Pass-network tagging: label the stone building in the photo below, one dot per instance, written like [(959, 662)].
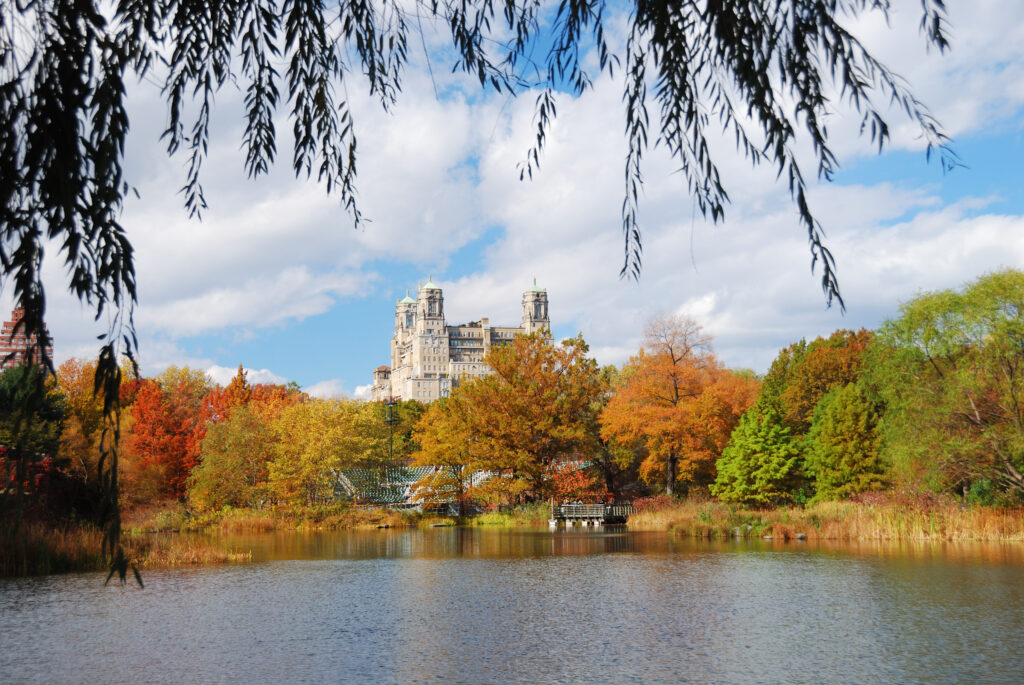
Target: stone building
[(14, 347), (429, 357)]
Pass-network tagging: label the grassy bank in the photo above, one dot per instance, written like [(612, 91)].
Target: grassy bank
[(37, 549), (886, 520), (158, 536), (534, 514), (174, 517)]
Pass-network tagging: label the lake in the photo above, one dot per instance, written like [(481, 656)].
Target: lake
[(487, 606)]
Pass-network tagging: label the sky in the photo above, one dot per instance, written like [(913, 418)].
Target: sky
[(275, 277)]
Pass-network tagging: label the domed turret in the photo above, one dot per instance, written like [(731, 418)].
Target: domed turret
[(535, 310)]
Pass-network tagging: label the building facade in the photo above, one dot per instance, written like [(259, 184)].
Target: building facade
[(429, 357), (14, 346)]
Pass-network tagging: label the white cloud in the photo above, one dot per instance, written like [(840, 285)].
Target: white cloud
[(435, 174), (222, 375), (329, 389)]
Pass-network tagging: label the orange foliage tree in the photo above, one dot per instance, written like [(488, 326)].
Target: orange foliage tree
[(804, 372), (83, 418), (163, 432), (523, 419), (266, 402), (676, 405)]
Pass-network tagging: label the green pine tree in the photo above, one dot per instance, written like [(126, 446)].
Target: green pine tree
[(759, 464), (841, 451)]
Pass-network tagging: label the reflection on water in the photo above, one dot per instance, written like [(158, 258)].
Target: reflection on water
[(471, 605)]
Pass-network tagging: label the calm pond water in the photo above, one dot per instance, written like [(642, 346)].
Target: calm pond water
[(486, 606)]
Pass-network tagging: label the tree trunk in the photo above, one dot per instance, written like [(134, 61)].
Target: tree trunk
[(670, 483)]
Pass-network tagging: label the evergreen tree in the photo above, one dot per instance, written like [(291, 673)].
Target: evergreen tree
[(759, 464), (841, 450)]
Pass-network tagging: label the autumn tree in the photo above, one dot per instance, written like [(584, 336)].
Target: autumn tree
[(315, 440), (949, 372), (841, 452), (764, 72), (233, 468), (215, 407), (803, 372), (83, 421), (614, 463), (165, 414), (398, 436), (270, 400), (529, 413), (442, 437), (676, 404), (759, 464)]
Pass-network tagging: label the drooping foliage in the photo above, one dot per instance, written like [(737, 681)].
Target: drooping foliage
[(760, 463)]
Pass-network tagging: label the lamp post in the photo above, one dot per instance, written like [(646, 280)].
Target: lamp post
[(390, 419)]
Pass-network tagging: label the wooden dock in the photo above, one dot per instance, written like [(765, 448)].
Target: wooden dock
[(589, 514)]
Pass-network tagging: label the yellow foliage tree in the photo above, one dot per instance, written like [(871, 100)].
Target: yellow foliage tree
[(443, 444), (315, 440)]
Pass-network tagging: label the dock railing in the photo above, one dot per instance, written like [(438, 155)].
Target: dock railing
[(591, 512)]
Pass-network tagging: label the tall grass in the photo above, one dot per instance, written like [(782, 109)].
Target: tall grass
[(36, 549), (523, 515), (168, 551), (231, 521), (836, 521)]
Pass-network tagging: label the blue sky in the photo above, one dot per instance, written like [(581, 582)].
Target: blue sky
[(276, 278)]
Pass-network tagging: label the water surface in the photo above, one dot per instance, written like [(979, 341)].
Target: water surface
[(472, 606)]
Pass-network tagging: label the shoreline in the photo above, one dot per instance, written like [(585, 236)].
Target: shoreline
[(160, 538)]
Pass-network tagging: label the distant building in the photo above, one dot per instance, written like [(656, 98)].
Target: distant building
[(429, 357), (14, 347)]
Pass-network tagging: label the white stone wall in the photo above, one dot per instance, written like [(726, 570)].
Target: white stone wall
[(429, 357)]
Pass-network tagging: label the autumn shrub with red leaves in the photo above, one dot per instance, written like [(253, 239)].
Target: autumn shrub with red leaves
[(655, 503)]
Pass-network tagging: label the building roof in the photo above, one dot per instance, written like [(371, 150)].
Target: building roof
[(430, 285), (407, 299), (384, 367), (390, 485), (535, 289)]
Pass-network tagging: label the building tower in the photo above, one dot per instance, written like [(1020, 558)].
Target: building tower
[(535, 310), (405, 315), (430, 309), (14, 348)]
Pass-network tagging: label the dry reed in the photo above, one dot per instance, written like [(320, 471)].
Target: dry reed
[(36, 549), (837, 521), (169, 551)]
